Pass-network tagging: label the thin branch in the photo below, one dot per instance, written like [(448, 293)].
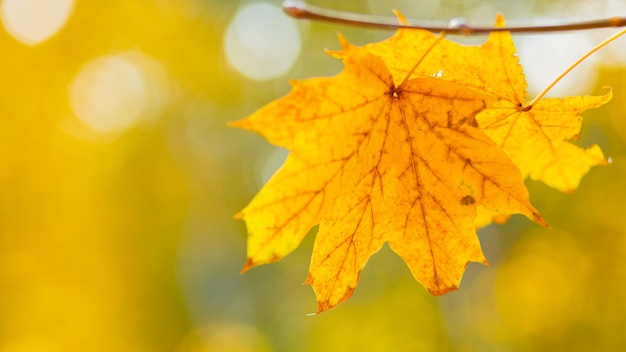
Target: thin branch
[(301, 10)]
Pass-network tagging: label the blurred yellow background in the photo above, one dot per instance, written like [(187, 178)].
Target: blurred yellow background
[(119, 179)]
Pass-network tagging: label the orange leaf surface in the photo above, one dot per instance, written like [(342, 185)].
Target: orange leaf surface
[(379, 158)]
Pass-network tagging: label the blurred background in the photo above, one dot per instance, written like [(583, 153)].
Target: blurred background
[(119, 179)]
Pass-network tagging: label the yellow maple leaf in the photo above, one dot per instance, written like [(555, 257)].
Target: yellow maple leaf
[(379, 157), (536, 138)]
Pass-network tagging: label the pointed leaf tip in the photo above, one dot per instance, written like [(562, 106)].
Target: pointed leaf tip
[(345, 45), (442, 291), (539, 220), (249, 265), (309, 280), (322, 307), (325, 305), (400, 17), (242, 123), (500, 23)]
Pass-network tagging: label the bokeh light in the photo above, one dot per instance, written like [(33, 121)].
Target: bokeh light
[(261, 42), (34, 21), (112, 93), (108, 94)]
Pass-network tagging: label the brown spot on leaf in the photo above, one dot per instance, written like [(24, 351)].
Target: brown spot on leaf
[(468, 200)]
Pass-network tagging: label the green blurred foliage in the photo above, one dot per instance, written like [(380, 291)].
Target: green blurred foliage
[(126, 242)]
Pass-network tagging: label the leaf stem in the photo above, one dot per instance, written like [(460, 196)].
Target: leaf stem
[(571, 67)]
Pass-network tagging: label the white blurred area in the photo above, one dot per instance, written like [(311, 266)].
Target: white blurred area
[(114, 92), (261, 42), (545, 56), (34, 21)]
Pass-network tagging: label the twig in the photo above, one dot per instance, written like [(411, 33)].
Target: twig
[(300, 9)]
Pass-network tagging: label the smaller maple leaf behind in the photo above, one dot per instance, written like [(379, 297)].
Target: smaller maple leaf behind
[(538, 140), (373, 163)]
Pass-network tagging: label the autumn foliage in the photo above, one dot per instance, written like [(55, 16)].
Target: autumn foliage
[(407, 145)]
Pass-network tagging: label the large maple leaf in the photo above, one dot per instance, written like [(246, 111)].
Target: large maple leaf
[(377, 156), (536, 138)]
